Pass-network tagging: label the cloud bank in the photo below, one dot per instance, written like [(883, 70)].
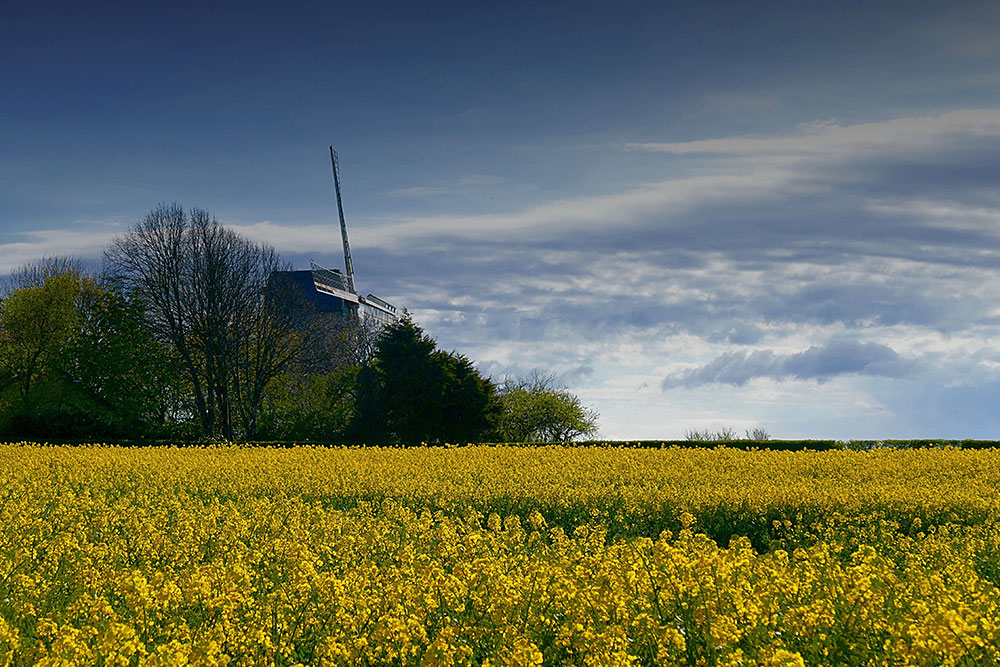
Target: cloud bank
[(819, 362), (830, 260)]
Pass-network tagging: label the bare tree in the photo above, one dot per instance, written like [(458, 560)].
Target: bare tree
[(34, 274), (333, 342), (204, 288), (273, 339), (724, 434), (720, 435)]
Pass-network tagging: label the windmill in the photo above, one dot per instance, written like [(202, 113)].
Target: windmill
[(341, 285)]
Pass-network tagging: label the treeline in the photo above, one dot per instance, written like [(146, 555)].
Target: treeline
[(189, 334), (748, 444)]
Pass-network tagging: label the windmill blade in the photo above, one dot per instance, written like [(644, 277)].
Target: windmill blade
[(348, 265)]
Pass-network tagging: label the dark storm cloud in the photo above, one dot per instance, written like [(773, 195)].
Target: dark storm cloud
[(816, 363)]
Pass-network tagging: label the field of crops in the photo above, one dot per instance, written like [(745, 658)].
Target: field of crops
[(498, 556)]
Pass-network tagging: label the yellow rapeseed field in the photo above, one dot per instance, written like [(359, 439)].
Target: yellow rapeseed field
[(498, 556)]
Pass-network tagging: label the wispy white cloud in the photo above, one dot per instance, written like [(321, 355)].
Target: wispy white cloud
[(463, 185), (766, 183), (85, 240), (423, 191), (827, 137), (318, 239), (955, 215), (664, 201)]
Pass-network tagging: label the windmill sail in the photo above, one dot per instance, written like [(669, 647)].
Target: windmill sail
[(348, 264), (336, 284)]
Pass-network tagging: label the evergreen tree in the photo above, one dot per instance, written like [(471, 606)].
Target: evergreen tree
[(413, 393)]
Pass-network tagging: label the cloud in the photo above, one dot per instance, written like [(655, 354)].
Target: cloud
[(311, 239), (956, 215), (85, 240), (738, 251), (886, 232), (816, 363), (827, 138), (422, 191), (464, 185), (622, 214), (574, 375), (914, 189)]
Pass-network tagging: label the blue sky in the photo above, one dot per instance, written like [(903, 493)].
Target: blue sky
[(774, 214)]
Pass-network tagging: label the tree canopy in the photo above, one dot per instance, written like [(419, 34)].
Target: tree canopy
[(537, 409), (77, 361)]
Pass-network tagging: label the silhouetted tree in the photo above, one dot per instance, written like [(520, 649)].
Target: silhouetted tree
[(313, 399), (205, 292), (413, 393)]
